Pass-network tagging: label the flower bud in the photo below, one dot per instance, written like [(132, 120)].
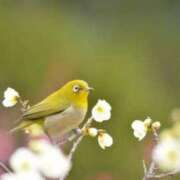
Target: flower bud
[(156, 125), (147, 122), (92, 132)]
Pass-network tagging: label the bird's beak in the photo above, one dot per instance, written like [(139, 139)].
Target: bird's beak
[(90, 89)]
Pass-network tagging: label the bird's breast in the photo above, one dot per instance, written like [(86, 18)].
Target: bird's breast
[(65, 121)]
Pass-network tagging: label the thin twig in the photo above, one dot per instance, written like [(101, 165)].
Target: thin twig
[(144, 166), (77, 142), (151, 171), (155, 136), (65, 140), (158, 176), (25, 104), (75, 145), (4, 167)]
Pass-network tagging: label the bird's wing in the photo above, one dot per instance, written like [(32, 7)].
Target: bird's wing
[(49, 106)]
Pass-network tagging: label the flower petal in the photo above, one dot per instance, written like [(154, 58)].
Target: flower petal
[(139, 128), (167, 155), (23, 160), (105, 140), (52, 161), (136, 124), (9, 102), (10, 92), (101, 111), (10, 97)]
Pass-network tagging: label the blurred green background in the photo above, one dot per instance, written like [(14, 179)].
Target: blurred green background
[(129, 51)]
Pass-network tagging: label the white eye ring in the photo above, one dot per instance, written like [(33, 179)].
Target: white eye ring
[(76, 88)]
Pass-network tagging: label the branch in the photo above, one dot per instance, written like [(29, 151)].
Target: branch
[(4, 167), (144, 166), (25, 104), (151, 172), (148, 174), (155, 136), (158, 176), (80, 138)]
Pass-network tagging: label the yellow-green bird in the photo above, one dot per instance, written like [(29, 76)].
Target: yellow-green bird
[(60, 112)]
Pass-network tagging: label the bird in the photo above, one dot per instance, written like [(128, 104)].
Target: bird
[(60, 112)]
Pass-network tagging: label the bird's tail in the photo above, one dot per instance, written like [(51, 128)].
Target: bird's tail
[(20, 126)]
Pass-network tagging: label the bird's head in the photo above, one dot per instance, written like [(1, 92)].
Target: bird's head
[(77, 91)]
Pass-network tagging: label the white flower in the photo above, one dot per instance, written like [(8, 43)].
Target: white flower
[(92, 132), (22, 176), (105, 140), (167, 155), (141, 127), (10, 97), (24, 160), (101, 111), (8, 176), (52, 162), (31, 175)]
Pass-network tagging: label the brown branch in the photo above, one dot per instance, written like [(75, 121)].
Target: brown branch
[(158, 176), (4, 167), (152, 168), (155, 136), (144, 166), (80, 138), (24, 103)]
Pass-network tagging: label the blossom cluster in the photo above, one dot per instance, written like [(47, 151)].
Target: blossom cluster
[(166, 153), (141, 128), (42, 160), (38, 161), (101, 112)]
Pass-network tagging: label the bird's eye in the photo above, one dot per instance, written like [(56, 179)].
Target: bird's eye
[(76, 88)]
